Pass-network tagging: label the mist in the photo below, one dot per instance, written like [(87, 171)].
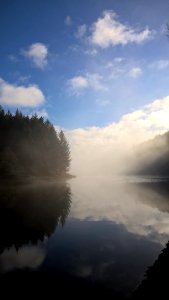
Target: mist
[(113, 149)]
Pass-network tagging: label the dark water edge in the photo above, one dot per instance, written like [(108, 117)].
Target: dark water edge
[(40, 217), (35, 179)]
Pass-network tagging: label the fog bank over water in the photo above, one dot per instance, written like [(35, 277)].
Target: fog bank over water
[(107, 149)]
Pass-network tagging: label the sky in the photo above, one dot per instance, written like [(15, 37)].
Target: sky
[(97, 68)]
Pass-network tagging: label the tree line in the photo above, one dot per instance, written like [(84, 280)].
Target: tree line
[(152, 157), (31, 146)]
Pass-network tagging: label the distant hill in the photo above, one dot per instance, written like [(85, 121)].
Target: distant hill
[(152, 157), (30, 146)]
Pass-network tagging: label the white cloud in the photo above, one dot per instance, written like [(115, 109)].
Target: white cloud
[(68, 21), (109, 31), (135, 72), (37, 53), (160, 64), (90, 80), (81, 31), (26, 96), (104, 149), (78, 83)]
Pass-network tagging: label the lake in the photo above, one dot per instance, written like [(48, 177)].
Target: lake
[(90, 236)]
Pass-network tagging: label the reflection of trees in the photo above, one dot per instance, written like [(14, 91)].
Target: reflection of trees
[(29, 213), (154, 194), (156, 281)]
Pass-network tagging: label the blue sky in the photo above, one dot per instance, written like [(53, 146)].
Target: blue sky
[(83, 63)]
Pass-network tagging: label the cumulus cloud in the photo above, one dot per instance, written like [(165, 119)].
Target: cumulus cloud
[(90, 80), (37, 53), (109, 31), (135, 72), (105, 149), (25, 96), (81, 31), (68, 21)]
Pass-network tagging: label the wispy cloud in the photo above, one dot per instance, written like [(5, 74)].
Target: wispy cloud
[(102, 102), (91, 52), (119, 67), (160, 64), (13, 58), (24, 79), (37, 53), (135, 72), (68, 21), (109, 31), (96, 82), (40, 113), (81, 31), (78, 84), (118, 59), (25, 96)]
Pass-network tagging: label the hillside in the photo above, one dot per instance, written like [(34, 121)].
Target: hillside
[(152, 157)]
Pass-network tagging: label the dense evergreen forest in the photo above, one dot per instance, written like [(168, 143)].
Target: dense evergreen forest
[(152, 157), (30, 146)]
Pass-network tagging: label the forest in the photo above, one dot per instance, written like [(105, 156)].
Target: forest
[(31, 147), (151, 157)]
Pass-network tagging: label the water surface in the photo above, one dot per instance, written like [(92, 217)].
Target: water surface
[(91, 235)]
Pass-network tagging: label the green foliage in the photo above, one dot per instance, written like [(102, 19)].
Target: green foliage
[(31, 147)]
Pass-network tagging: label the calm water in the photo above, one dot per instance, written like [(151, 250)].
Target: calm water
[(89, 236)]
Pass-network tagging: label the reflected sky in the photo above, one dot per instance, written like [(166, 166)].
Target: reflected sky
[(138, 205), (102, 231)]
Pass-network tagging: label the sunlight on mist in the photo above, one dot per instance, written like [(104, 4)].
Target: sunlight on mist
[(107, 149)]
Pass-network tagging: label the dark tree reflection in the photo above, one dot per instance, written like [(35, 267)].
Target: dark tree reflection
[(155, 283), (31, 212)]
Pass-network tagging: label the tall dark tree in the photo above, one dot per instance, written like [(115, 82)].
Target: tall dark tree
[(31, 147), (64, 153)]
